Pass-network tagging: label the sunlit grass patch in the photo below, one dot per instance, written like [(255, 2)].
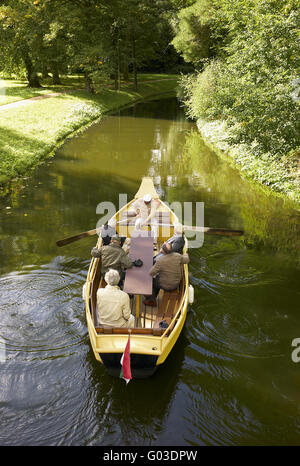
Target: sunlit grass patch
[(30, 133)]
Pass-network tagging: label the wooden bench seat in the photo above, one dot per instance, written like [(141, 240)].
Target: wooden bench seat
[(167, 307), (124, 331), (161, 217)]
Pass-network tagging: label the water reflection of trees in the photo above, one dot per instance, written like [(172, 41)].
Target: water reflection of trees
[(192, 172), (111, 158), (58, 207)]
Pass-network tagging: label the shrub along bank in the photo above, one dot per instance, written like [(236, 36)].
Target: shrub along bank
[(277, 175), (246, 87)]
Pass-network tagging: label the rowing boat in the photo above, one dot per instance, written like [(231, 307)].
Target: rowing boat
[(150, 341)]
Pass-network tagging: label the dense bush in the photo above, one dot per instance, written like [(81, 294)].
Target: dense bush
[(251, 83)]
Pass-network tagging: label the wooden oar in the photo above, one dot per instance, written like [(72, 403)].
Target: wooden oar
[(71, 239), (211, 231), (215, 231)]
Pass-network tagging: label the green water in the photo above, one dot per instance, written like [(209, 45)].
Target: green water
[(230, 379)]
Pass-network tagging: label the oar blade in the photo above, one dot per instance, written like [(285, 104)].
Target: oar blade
[(71, 239), (224, 231), (214, 231)]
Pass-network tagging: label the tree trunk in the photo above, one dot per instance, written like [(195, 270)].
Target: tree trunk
[(134, 65), (45, 72), (33, 80), (119, 63), (125, 72), (88, 83), (116, 81), (55, 73), (119, 72)]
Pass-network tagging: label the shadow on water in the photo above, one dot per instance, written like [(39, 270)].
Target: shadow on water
[(118, 406)]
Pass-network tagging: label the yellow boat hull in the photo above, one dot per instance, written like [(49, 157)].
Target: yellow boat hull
[(147, 351)]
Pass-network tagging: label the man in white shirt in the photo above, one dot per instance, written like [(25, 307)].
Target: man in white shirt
[(145, 209), (114, 304)]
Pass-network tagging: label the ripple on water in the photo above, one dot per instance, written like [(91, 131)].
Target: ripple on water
[(244, 337), (46, 345), (232, 312), (41, 311)]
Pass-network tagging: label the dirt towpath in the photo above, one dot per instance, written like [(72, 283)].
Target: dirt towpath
[(28, 101)]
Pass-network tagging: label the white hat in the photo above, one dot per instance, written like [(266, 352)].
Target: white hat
[(147, 198)]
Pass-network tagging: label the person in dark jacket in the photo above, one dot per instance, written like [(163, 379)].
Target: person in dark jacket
[(113, 257), (167, 272), (176, 241), (108, 231)]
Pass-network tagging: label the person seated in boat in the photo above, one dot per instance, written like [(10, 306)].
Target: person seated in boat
[(177, 241), (113, 257), (114, 304), (166, 272), (144, 209), (108, 231)]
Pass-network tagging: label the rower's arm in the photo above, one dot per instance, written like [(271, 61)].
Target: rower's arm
[(156, 204), (154, 270)]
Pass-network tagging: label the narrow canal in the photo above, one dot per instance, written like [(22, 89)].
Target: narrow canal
[(230, 379)]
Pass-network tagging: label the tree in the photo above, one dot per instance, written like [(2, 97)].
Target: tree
[(20, 35), (250, 82), (194, 37), (97, 37), (136, 31)]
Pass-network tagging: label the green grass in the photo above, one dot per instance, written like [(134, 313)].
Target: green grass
[(14, 90), (31, 133)]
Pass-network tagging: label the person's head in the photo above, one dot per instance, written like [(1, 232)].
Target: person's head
[(116, 240), (178, 229), (112, 277), (147, 199), (106, 234), (166, 248)]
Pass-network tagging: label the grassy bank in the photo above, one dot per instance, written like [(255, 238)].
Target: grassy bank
[(280, 177), (29, 134)]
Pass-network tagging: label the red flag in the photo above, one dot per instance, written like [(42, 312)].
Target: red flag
[(125, 363)]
